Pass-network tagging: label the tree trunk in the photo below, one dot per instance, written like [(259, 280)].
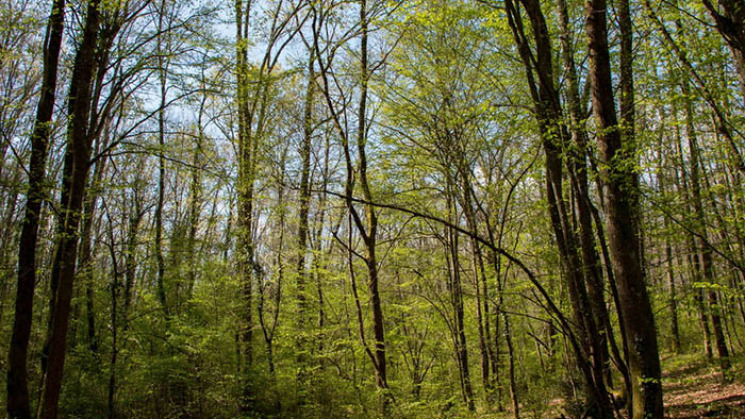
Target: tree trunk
[(672, 296), (731, 25), (18, 405), (370, 232), (114, 289), (75, 173), (703, 246), (580, 185), (511, 355), (620, 203), (85, 268), (245, 188), (455, 287), (195, 206), (302, 235), (159, 258), (547, 108)]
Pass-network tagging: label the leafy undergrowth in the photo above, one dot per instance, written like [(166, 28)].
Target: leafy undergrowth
[(695, 388)]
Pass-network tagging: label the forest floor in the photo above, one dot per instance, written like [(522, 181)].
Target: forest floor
[(695, 389)]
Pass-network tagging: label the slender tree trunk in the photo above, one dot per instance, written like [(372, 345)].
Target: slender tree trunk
[(268, 329), (479, 274), (367, 225), (455, 287), (18, 404), (482, 315), (114, 288), (245, 188), (539, 72), (511, 355), (319, 259), (498, 316), (85, 268), (159, 258), (705, 250), (303, 220), (693, 256), (130, 259), (195, 207), (672, 297), (303, 227), (621, 201), (370, 235)]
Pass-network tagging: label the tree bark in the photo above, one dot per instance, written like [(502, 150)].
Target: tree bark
[(729, 18), (18, 404), (548, 112), (75, 173), (621, 199), (455, 287), (370, 229), (577, 163), (245, 188), (159, 259), (303, 214)]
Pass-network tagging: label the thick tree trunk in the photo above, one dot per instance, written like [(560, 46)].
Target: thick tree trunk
[(580, 185), (620, 203), (75, 174), (18, 404)]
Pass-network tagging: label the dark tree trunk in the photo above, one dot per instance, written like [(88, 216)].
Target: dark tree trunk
[(85, 268), (620, 203), (455, 287), (729, 18), (539, 72), (580, 185), (75, 174), (159, 259), (18, 404), (370, 230)]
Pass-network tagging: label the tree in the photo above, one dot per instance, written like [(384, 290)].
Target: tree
[(621, 203), (75, 174), (19, 405)]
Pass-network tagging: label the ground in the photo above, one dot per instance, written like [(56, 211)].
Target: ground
[(695, 389)]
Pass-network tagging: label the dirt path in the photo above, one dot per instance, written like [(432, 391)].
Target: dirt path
[(697, 391)]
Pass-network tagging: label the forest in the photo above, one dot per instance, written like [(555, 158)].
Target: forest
[(372, 209)]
